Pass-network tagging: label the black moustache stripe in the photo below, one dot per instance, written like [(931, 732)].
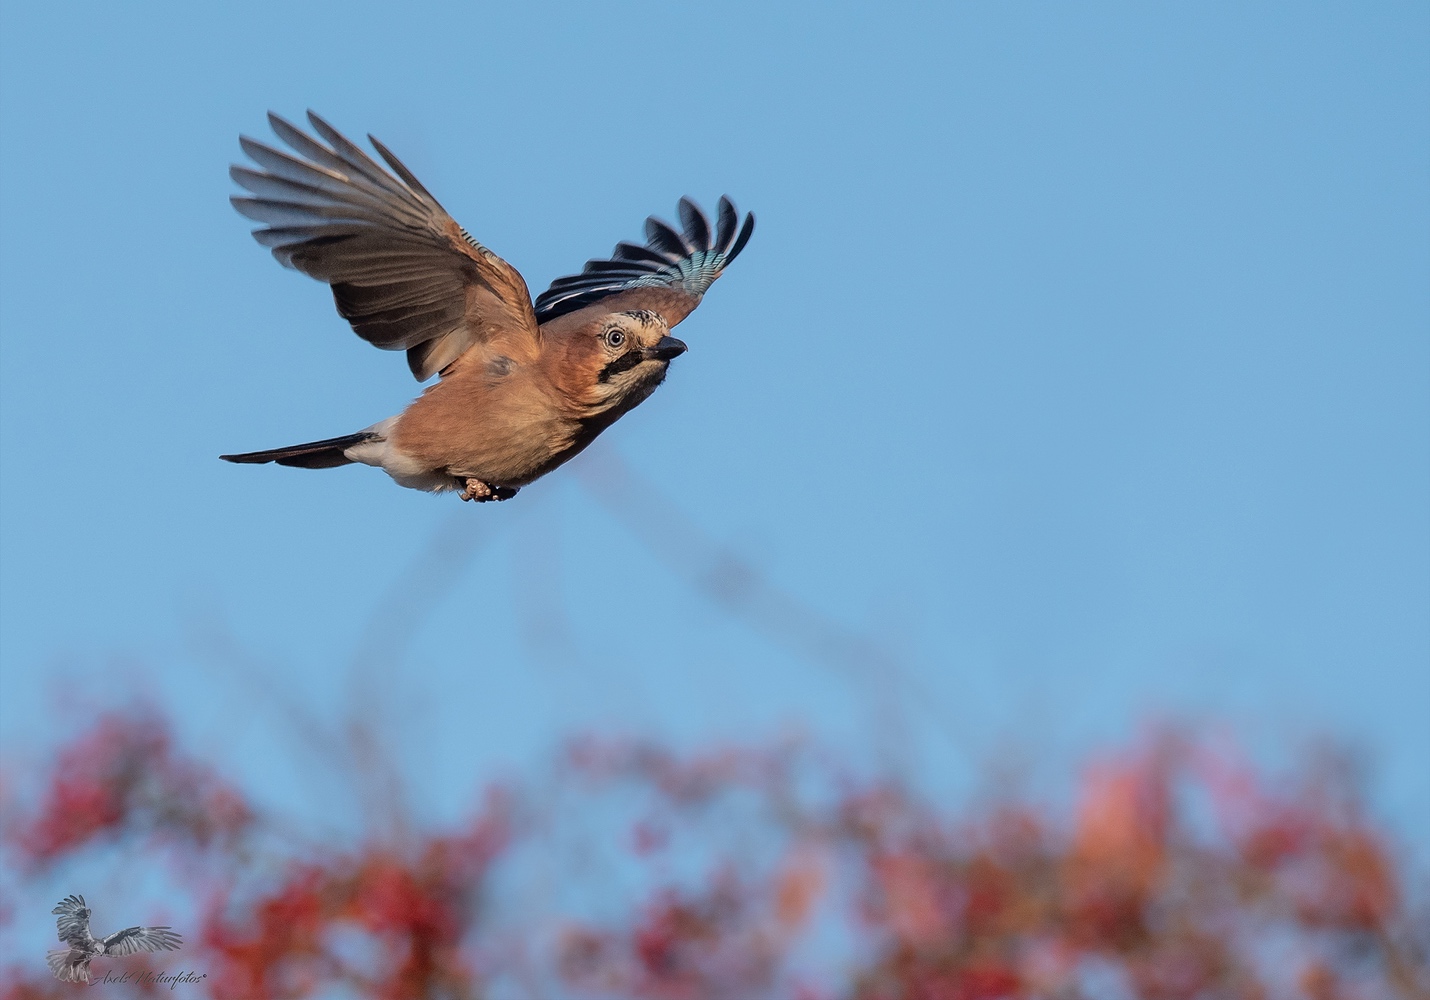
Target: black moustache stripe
[(624, 363)]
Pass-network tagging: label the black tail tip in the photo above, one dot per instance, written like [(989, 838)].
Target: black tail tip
[(313, 455)]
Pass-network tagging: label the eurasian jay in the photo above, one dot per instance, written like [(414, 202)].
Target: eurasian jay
[(524, 387)]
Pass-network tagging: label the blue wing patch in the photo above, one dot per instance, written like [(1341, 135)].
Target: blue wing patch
[(686, 261)]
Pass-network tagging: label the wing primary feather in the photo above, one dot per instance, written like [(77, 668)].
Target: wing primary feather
[(745, 232), (274, 185), (369, 180), (352, 154), (407, 176), (663, 237), (358, 171), (333, 180), (727, 222), (695, 224), (267, 185), (280, 237), (643, 255), (288, 213), (306, 145)]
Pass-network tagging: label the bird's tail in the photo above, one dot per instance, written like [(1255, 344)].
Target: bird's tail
[(68, 966), (313, 455)]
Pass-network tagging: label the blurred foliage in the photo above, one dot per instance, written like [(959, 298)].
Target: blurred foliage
[(1182, 871)]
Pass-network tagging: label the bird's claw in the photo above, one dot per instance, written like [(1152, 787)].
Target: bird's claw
[(482, 492), (476, 490)]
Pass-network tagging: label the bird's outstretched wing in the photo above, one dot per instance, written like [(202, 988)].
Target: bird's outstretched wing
[(132, 939), (667, 276), (74, 920), (402, 271)]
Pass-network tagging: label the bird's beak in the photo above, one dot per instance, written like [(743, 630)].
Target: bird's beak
[(667, 348)]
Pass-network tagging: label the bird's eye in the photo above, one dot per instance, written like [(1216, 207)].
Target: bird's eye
[(615, 338)]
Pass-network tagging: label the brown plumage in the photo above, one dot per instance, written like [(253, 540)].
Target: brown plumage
[(524, 386)]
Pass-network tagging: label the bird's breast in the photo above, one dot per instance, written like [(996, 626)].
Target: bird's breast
[(505, 432)]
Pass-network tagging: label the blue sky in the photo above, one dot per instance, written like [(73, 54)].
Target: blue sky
[(1081, 359)]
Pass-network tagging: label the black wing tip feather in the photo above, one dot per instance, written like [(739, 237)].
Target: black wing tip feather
[(665, 250), (695, 224), (662, 237), (746, 231)]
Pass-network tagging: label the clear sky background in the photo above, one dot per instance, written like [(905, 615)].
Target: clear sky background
[(1080, 360)]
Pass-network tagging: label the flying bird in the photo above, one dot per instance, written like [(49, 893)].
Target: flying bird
[(71, 964), (524, 386)]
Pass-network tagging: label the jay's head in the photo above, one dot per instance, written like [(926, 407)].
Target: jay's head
[(615, 362)]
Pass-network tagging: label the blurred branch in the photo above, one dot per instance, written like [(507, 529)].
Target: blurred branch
[(412, 598), (373, 677), (738, 587), (718, 574), (395, 622)]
